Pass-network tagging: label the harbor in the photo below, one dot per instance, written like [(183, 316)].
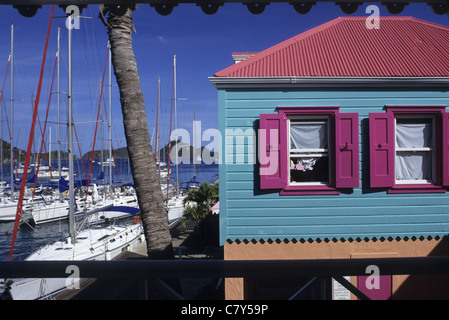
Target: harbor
[(33, 238), (95, 213), (304, 159), (29, 239)]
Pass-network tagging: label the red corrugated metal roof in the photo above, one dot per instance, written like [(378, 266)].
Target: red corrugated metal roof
[(345, 47)]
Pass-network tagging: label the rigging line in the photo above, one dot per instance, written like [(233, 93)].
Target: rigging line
[(79, 148), (45, 146), (6, 114), (1, 98), (43, 134), (85, 60), (112, 146), (10, 139), (115, 163), (30, 140), (94, 37), (169, 134), (4, 80), (96, 126), (45, 125), (157, 118)]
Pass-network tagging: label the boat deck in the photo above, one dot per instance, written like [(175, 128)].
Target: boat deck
[(138, 289)]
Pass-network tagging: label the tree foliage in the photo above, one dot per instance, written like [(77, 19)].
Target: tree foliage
[(199, 202)]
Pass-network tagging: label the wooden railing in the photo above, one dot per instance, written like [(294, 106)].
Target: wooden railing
[(147, 269)]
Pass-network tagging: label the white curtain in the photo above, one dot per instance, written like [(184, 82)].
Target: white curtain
[(413, 165), (416, 135), (308, 135)]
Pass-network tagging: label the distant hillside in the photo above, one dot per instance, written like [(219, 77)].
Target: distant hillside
[(7, 152), (121, 153), (19, 154), (184, 150)]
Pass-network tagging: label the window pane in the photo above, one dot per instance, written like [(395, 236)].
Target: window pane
[(309, 169), (413, 165), (414, 133), (308, 135)]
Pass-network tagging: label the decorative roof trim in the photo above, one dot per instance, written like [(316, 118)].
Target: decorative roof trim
[(269, 240), (301, 82)]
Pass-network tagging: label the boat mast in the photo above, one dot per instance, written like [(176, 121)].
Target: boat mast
[(110, 118), (49, 148), (102, 135), (196, 147), (158, 155), (176, 124), (12, 113), (1, 141), (70, 139), (59, 114)]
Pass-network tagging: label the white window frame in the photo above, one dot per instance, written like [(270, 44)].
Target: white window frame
[(316, 153), (422, 149)]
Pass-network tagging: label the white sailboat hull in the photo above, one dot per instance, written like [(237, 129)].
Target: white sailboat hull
[(175, 209), (8, 212), (59, 210), (175, 213), (108, 244), (55, 211), (8, 209)]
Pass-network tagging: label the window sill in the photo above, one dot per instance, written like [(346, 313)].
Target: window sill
[(416, 188), (308, 190)]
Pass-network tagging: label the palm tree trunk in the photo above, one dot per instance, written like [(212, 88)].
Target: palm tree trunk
[(146, 179)]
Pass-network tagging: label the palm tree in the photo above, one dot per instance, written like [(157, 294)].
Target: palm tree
[(146, 180), (205, 197)]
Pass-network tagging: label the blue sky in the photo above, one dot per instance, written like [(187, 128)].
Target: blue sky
[(203, 45)]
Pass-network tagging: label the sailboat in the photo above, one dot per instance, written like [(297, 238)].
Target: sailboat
[(175, 205), (161, 166), (8, 204), (112, 206), (8, 209), (92, 243)]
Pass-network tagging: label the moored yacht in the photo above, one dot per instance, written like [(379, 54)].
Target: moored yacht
[(91, 244)]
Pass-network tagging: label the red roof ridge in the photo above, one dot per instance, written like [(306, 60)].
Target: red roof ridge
[(339, 53)]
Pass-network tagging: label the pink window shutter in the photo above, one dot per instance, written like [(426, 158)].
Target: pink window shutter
[(347, 150), (445, 148), (382, 149), (272, 142)]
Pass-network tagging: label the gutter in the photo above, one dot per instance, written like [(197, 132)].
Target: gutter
[(301, 82)]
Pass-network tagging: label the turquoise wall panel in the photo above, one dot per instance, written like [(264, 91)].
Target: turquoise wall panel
[(248, 213)]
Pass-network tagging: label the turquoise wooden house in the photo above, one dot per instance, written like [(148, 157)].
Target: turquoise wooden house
[(336, 145)]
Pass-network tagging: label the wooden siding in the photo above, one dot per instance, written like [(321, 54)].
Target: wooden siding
[(248, 213)]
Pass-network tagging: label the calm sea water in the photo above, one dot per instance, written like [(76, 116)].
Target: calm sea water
[(29, 240)]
